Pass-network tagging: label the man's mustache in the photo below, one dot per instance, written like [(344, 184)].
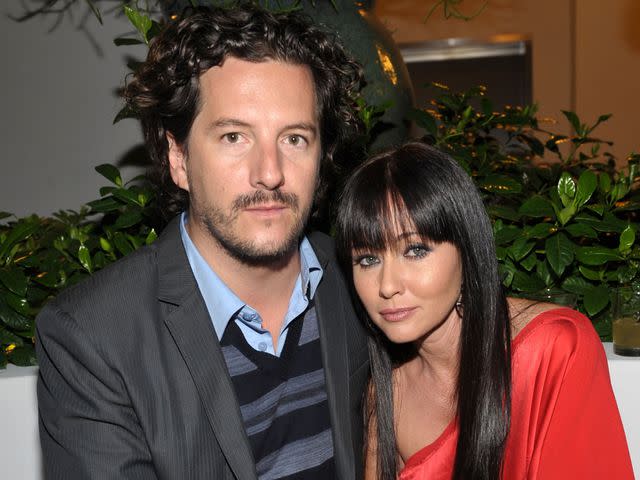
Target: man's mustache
[(260, 197)]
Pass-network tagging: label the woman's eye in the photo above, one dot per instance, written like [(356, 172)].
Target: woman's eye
[(417, 251), (366, 260)]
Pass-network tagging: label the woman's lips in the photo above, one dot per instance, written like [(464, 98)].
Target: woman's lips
[(397, 314)]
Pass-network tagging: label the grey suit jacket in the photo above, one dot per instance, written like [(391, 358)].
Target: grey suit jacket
[(133, 384)]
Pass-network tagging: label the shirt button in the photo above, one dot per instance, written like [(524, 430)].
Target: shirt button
[(262, 346)]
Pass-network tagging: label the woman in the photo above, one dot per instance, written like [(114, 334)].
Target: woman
[(466, 383)]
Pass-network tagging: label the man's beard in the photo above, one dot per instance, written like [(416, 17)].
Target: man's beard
[(247, 251)]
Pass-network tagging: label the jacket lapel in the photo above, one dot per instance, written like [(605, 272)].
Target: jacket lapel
[(189, 323), (329, 301)]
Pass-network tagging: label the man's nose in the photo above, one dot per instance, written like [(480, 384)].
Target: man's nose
[(267, 168)]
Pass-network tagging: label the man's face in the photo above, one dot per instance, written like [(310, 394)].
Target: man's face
[(252, 158)]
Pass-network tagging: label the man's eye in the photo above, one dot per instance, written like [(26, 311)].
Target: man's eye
[(232, 137), (296, 140)]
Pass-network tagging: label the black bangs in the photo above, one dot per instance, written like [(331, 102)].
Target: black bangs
[(391, 195)]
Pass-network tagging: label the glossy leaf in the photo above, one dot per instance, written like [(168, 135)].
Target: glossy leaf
[(520, 248), (24, 356), (579, 230), (128, 219), (14, 279), (540, 230), (526, 283), (559, 252), (590, 273), (85, 258), (536, 206), (566, 189), (104, 205), (597, 255), (627, 238), (11, 318), (18, 233), (587, 184), (577, 285), (506, 235), (529, 262), (110, 172), (500, 184), (596, 299)]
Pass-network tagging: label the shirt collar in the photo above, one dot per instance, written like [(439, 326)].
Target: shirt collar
[(220, 300)]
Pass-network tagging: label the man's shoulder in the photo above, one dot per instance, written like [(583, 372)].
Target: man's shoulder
[(132, 275)]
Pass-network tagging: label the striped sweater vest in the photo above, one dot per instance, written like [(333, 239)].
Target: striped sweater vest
[(283, 401)]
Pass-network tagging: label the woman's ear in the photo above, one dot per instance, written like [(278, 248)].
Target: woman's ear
[(177, 163)]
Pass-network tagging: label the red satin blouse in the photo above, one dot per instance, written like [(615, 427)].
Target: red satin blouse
[(565, 422)]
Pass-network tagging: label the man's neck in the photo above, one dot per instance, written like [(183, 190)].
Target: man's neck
[(266, 288)]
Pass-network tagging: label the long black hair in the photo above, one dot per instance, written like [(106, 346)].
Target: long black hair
[(421, 187)]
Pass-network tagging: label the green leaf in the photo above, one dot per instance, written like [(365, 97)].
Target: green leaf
[(573, 120), (151, 237), (104, 205), (110, 172), (122, 244), (140, 21), (24, 356), (526, 283), (597, 255), (536, 206), (577, 285), (14, 279), (559, 252), (85, 258), (540, 230), (128, 219), (500, 184), (21, 231), (11, 318), (596, 299), (17, 303), (520, 248), (127, 196), (590, 273), (566, 214), (580, 230), (500, 211), (424, 120), (507, 234), (106, 245), (529, 262), (627, 238), (587, 184), (605, 182), (7, 337), (121, 41), (566, 189)]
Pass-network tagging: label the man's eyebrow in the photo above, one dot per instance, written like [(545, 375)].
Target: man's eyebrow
[(228, 122), (310, 127)]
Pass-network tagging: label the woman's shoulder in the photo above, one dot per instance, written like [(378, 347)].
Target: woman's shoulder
[(551, 326)]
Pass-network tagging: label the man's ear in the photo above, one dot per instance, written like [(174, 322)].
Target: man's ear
[(177, 163)]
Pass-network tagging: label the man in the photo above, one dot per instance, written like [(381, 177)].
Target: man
[(228, 349)]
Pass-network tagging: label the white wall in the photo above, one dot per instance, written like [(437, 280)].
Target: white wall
[(57, 91)]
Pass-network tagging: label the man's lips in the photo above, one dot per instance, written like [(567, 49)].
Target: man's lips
[(267, 209), (397, 314)]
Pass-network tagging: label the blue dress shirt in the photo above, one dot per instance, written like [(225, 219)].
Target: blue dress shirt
[(224, 305)]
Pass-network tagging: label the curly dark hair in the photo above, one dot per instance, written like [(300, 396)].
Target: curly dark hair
[(165, 91)]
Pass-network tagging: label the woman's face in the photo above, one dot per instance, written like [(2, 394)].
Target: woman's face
[(409, 289)]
